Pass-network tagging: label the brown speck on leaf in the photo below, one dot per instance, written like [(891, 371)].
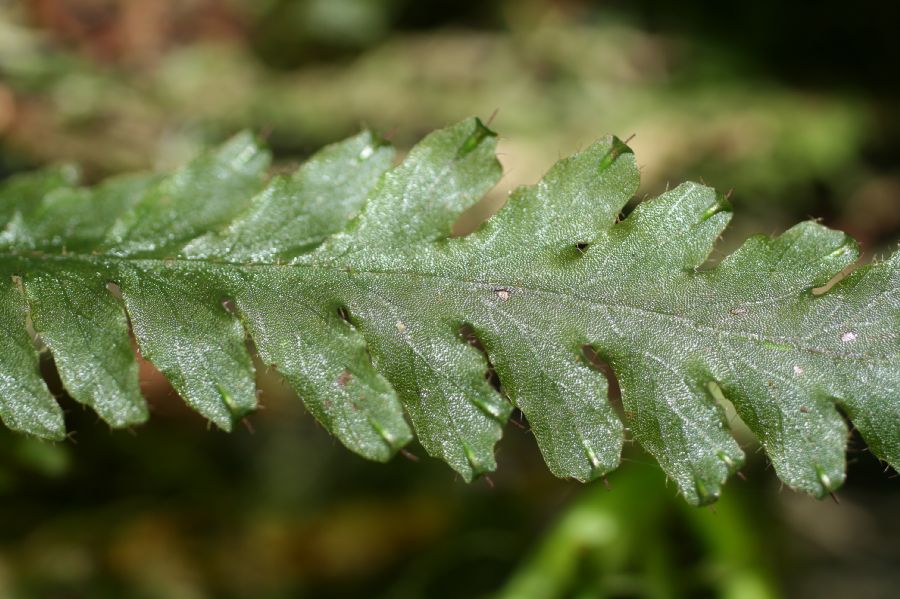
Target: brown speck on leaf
[(739, 311), (503, 294), (344, 378), (804, 409)]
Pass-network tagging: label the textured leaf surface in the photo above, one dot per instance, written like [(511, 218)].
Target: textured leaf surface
[(345, 277)]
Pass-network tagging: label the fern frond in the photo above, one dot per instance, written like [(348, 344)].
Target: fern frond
[(346, 278)]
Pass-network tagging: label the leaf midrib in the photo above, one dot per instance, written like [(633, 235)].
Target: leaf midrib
[(167, 262)]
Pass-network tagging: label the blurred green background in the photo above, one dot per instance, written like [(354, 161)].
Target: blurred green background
[(792, 107)]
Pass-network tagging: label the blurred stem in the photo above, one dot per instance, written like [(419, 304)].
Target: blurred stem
[(607, 526), (619, 543), (734, 548)]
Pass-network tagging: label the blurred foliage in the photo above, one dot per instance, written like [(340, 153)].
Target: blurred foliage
[(793, 107), (171, 511), (559, 79)]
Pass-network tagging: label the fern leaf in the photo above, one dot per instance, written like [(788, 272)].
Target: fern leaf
[(346, 278)]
